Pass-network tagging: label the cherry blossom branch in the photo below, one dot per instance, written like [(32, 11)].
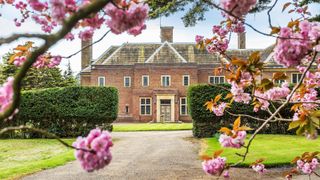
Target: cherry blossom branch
[(43, 132), (269, 11), (278, 109), (255, 118), (68, 24), (15, 37), (87, 46)]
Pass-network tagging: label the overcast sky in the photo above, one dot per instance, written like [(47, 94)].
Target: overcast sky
[(151, 34)]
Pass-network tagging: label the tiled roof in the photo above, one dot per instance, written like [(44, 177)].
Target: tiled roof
[(132, 53)]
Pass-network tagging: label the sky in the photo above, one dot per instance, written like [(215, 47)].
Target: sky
[(151, 34)]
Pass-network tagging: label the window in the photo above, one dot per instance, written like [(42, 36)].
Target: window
[(145, 106), (216, 79), (280, 81), (127, 81), (183, 106), (185, 80), (127, 109), (165, 80), (101, 81), (145, 81), (295, 77)]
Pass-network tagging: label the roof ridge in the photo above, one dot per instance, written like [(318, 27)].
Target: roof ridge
[(115, 52), (171, 47)]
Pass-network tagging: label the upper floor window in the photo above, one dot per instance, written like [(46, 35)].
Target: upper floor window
[(127, 81), (165, 80), (101, 81), (145, 106), (216, 79), (295, 77), (145, 80), (185, 80), (183, 106)]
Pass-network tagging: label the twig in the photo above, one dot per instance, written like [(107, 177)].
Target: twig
[(14, 37), (43, 132), (269, 11), (68, 24), (89, 45)]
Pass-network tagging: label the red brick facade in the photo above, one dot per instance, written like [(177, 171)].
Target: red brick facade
[(155, 102)]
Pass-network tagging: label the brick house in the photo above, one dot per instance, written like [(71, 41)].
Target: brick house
[(152, 78)]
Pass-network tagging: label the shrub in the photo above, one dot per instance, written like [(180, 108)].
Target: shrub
[(69, 111), (206, 124)]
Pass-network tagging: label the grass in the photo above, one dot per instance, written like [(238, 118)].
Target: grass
[(151, 127), (278, 150), (19, 157)]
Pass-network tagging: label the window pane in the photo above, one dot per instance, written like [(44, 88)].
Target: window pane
[(167, 81), (101, 81), (183, 109), (143, 110), (143, 101), (216, 80), (148, 109), (145, 81), (127, 82), (211, 80), (221, 80), (163, 81), (186, 80), (147, 101), (183, 101)]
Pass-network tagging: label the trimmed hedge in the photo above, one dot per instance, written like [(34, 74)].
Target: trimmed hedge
[(206, 124), (68, 111)]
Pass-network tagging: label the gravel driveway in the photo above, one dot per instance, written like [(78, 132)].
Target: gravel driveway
[(150, 155)]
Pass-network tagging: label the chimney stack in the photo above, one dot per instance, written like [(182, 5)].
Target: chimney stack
[(166, 33), (242, 40), (86, 54)]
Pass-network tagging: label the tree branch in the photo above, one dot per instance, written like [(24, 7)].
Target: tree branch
[(15, 37), (68, 25)]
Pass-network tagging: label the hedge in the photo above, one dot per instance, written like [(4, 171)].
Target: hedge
[(68, 111), (206, 124)]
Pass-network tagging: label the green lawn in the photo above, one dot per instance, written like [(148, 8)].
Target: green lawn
[(24, 156), (151, 127), (276, 149)]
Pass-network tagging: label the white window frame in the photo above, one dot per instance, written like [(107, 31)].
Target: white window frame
[(186, 105), (104, 81), (145, 113), (183, 80), (297, 77), (124, 81), (162, 76), (224, 79), (142, 82)]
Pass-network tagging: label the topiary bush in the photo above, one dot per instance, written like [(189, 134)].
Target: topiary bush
[(206, 123), (68, 111)]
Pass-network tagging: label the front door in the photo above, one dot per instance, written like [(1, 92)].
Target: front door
[(165, 110)]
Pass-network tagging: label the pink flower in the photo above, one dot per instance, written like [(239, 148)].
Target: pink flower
[(259, 168), (237, 8), (86, 35), (37, 5), (93, 152), (308, 167), (239, 94), (233, 142), (199, 39), (214, 166), (219, 109), (131, 20), (6, 94), (58, 12)]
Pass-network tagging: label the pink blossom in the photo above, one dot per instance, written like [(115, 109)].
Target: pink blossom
[(69, 36), (199, 39), (137, 30), (58, 12), (239, 94), (124, 20), (226, 174), (237, 8), (86, 35), (219, 109), (308, 167), (6, 94), (214, 166), (233, 142), (259, 168), (93, 152), (37, 5)]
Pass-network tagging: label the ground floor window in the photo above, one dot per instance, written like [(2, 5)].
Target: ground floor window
[(183, 106), (296, 78), (216, 79), (145, 106)]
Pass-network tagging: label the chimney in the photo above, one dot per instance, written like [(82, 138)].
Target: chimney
[(242, 40), (166, 33), (86, 54)]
